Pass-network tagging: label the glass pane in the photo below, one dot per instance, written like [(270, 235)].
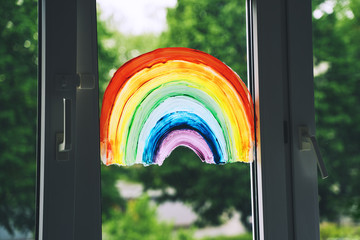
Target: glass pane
[(336, 36), (194, 198), (18, 89)]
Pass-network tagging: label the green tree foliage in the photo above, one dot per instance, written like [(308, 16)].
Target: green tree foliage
[(337, 102), (246, 236), (116, 48), (139, 221), (18, 101), (212, 191), (330, 231), (217, 27)]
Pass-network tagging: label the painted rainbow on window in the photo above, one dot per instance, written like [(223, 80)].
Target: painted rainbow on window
[(174, 97)]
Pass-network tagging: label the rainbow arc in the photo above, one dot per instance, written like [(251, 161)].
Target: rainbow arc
[(174, 97)]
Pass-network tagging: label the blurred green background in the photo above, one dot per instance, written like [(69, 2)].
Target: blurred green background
[(213, 192)]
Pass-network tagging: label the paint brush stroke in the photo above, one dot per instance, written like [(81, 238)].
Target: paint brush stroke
[(186, 138)]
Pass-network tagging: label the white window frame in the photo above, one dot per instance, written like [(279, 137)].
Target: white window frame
[(284, 179)]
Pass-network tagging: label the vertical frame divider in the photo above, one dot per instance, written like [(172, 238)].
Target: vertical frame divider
[(284, 179), (68, 180)]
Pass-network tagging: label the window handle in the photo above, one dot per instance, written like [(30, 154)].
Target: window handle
[(65, 145), (320, 161), (309, 142)]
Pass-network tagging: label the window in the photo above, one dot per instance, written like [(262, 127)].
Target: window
[(284, 185)]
